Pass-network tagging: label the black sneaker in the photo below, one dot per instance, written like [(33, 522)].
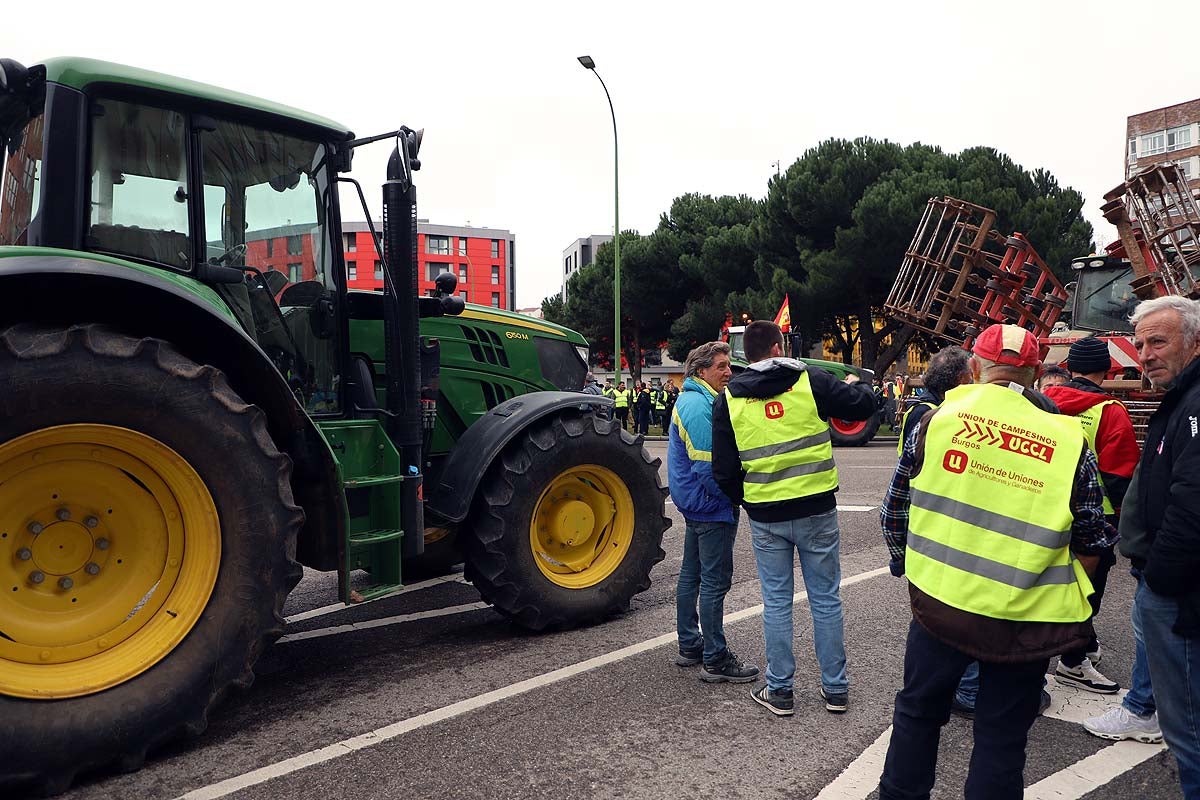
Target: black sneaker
[(778, 701), (836, 703), (962, 709), (730, 670), (689, 658)]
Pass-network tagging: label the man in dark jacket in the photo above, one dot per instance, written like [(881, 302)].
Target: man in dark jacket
[(707, 569), (772, 453), (994, 514), (643, 407), (1160, 524), (1109, 432)]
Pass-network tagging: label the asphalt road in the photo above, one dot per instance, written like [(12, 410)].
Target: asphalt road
[(462, 704)]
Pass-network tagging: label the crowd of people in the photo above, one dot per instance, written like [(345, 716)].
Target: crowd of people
[(1006, 546), (637, 408)]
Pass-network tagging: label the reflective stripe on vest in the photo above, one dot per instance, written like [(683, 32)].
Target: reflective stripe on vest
[(990, 520), (1089, 418), (784, 446)]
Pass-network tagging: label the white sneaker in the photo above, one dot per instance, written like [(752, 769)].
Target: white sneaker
[(1121, 723), (1085, 677), (1094, 656)]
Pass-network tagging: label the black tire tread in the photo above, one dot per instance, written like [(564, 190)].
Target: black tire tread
[(28, 342)]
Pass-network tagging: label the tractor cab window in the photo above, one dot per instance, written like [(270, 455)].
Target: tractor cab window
[(139, 194), (266, 197), (1104, 299), (20, 181)]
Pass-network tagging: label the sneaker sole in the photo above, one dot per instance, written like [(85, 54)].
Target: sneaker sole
[(1145, 738), (709, 677), (832, 709), (1078, 684), (779, 712), (680, 661)]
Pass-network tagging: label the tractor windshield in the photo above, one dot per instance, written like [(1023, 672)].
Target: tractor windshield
[(1103, 299), (20, 179)]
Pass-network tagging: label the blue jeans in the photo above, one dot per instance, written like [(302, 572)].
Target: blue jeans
[(968, 685), (816, 540), (1140, 698), (1175, 673), (1005, 710), (706, 574)]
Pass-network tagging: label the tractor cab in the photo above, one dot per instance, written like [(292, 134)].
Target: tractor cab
[(1104, 297)]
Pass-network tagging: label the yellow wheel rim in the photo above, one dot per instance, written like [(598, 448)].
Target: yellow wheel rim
[(582, 526), (109, 550)]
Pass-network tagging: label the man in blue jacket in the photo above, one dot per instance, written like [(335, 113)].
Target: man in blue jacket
[(707, 570)]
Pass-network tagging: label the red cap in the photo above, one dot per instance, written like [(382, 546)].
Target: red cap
[(997, 338)]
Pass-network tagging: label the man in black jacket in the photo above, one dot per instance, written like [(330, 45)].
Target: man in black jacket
[(1160, 524), (772, 453)]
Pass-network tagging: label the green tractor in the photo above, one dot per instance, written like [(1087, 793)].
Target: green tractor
[(842, 432), (184, 424)]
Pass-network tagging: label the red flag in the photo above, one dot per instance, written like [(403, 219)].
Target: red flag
[(784, 318)]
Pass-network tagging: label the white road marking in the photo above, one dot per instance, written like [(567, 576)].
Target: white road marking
[(1068, 704), (351, 627), (862, 776), (329, 609), (857, 508), (379, 735)]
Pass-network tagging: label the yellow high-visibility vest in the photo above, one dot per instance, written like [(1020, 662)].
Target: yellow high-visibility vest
[(784, 446), (622, 400), (990, 519), (1089, 418)]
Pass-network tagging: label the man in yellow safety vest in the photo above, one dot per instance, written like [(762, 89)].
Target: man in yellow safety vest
[(772, 453), (621, 404), (995, 514)]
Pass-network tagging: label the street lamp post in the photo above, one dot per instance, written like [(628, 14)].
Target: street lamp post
[(588, 63)]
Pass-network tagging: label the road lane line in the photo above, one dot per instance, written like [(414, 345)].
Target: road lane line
[(379, 735), (329, 609), (857, 508), (351, 627), (862, 776), (1089, 774)]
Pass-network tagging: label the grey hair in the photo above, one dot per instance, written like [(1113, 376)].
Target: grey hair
[(947, 369), (1188, 310), (703, 356), (989, 369)]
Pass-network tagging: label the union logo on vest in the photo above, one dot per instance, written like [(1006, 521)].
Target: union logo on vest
[(774, 409), (955, 461)]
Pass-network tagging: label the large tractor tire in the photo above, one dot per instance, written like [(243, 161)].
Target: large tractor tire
[(147, 543), (853, 433), (567, 523)]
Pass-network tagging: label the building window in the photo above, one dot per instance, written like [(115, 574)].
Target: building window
[(495, 275), (295, 246), (1154, 143), (378, 270), (462, 273), (438, 245), (351, 242), (463, 295), (379, 243), (352, 270), (462, 245), (1133, 147), (1185, 168), (495, 248), (270, 247), (495, 299), (435, 268), (1179, 138), (295, 272)]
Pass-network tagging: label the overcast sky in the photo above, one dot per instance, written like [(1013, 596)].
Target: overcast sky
[(707, 95)]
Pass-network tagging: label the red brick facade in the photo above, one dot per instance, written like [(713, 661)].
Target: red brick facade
[(1165, 134)]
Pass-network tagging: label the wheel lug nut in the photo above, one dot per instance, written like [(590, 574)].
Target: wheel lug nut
[(65, 582), (35, 528), (91, 522), (92, 568), (36, 577), (102, 544), (24, 554), (63, 514)]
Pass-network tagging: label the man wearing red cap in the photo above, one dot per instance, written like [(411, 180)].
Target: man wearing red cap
[(995, 514)]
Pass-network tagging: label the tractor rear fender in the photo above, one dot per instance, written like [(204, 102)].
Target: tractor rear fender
[(486, 438), (66, 288)]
